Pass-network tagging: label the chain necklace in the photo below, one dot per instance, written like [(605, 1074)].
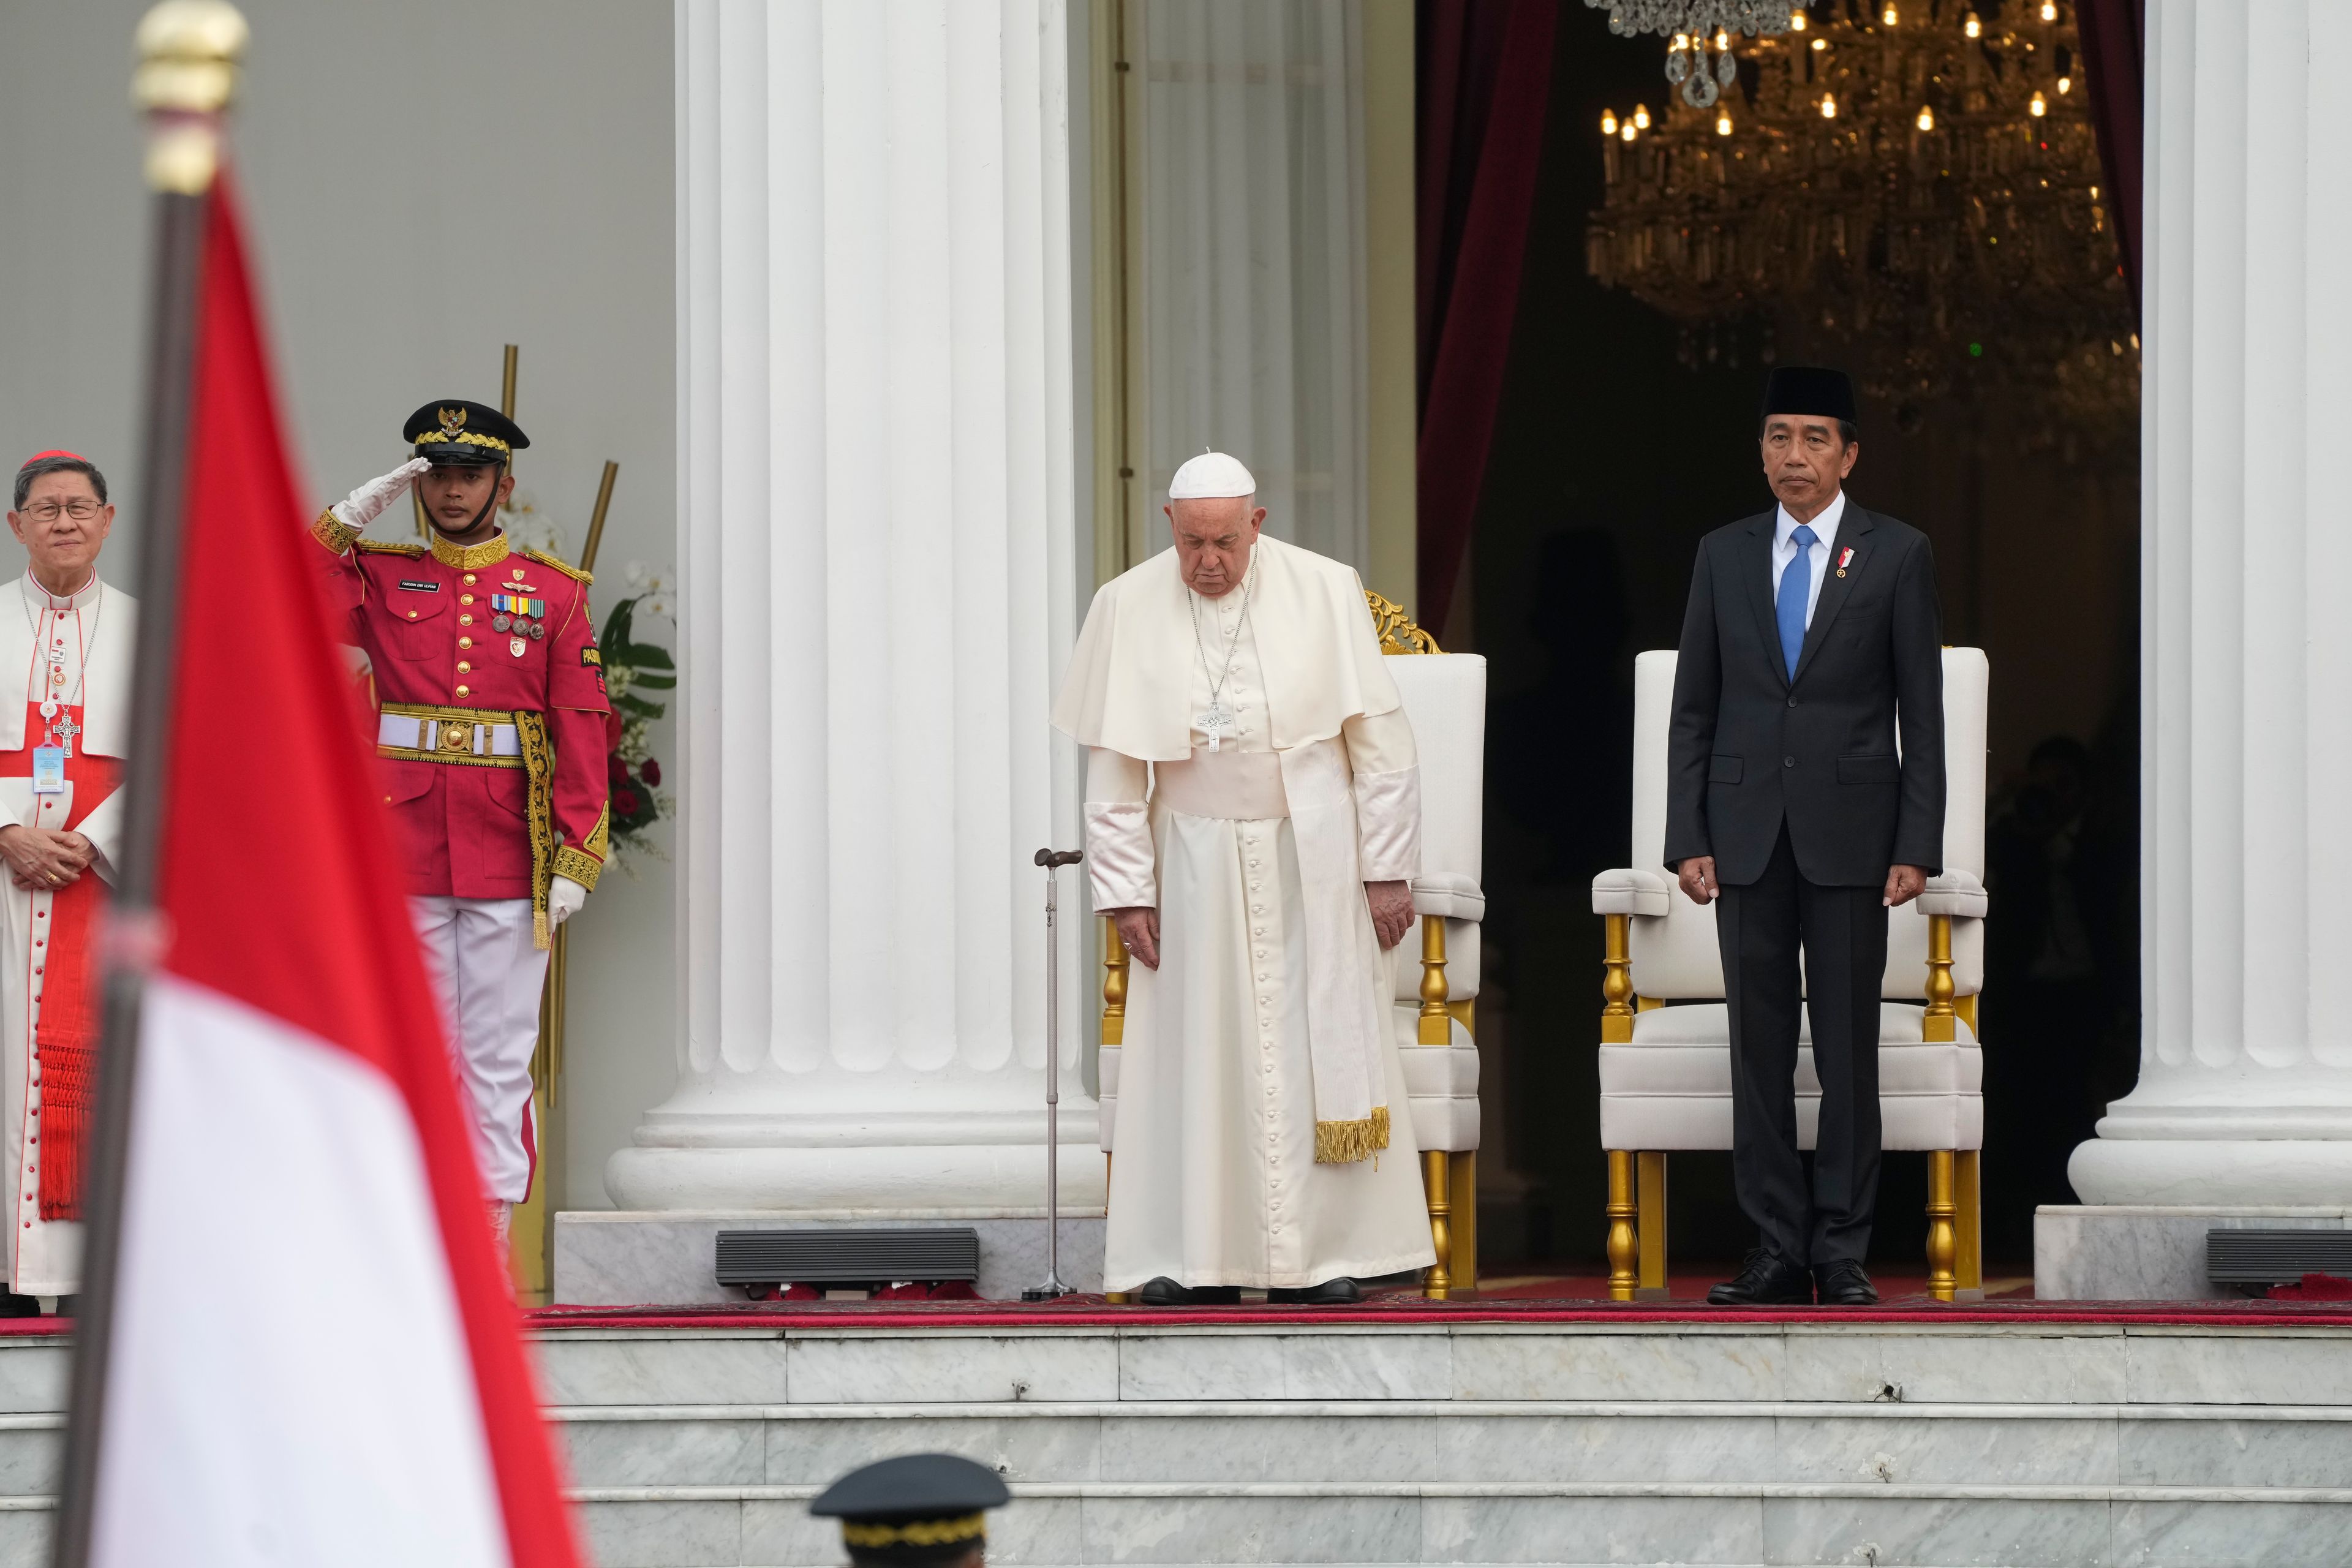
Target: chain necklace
[(63, 734), (1218, 719)]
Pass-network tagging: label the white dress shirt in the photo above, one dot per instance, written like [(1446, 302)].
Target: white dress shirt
[(1784, 550)]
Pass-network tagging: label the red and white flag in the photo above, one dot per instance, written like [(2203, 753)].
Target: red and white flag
[(315, 1357)]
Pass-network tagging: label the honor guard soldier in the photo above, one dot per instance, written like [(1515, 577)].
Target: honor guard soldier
[(920, 1509), (491, 734)]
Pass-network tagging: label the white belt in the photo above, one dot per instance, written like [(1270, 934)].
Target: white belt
[(1243, 786), (425, 735)]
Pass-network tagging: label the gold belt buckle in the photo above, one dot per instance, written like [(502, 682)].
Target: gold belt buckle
[(457, 735)]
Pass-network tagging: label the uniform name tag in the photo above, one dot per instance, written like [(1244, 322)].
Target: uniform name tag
[(48, 770), (420, 587)]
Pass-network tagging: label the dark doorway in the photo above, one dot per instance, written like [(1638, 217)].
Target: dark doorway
[(1620, 442)]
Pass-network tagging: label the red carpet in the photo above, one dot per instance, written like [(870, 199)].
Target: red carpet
[(1093, 1312)]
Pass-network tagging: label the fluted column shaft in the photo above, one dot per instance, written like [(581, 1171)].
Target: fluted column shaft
[(876, 540), (2245, 1089)]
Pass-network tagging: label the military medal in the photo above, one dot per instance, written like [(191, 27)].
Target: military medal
[(1844, 559), (538, 630), (499, 623)]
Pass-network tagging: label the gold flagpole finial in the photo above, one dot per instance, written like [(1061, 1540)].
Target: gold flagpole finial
[(188, 54)]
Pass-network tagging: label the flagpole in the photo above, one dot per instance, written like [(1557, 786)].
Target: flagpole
[(188, 54)]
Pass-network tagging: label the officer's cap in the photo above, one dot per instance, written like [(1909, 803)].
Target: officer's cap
[(458, 431), (918, 1507)]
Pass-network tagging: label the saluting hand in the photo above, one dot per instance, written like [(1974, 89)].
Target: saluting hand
[(366, 504)]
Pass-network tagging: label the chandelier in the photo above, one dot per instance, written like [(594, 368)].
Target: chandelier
[(1910, 188)]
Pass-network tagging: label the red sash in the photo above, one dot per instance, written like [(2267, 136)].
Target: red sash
[(65, 1040)]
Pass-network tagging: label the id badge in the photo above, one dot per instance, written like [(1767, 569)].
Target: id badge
[(48, 770)]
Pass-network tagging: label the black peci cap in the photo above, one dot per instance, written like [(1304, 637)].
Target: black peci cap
[(459, 431), (1809, 389), (917, 1508)]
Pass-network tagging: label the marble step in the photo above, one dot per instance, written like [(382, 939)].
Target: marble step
[(1467, 1443), (1804, 1363)]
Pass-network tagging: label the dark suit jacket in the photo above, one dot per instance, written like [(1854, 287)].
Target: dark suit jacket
[(1749, 747)]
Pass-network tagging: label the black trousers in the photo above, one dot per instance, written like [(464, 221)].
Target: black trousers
[(1841, 932)]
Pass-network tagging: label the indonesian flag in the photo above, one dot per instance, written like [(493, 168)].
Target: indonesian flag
[(315, 1357)]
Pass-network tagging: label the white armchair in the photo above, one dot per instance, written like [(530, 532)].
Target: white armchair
[(1446, 697), (1665, 1042)]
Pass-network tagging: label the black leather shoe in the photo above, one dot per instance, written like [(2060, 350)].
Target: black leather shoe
[(1765, 1279), (1330, 1293), (1843, 1284), (1165, 1292)]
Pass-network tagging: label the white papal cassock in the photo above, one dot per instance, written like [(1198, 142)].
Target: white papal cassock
[(76, 648), (1268, 1017)]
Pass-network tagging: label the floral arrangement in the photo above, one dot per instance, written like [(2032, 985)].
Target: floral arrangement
[(631, 669)]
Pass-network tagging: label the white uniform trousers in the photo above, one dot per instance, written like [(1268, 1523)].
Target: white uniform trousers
[(488, 977)]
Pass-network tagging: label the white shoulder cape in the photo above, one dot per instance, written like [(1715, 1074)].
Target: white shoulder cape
[(1130, 675)]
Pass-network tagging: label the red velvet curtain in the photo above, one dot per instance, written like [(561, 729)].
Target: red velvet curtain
[(2115, 61), (1483, 71)]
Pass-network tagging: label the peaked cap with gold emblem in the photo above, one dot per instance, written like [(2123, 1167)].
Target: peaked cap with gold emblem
[(455, 431), (914, 1509)]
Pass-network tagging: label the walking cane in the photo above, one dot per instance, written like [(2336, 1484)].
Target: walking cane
[(1053, 860)]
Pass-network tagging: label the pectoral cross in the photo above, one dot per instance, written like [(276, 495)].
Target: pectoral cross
[(63, 732), (1217, 722)]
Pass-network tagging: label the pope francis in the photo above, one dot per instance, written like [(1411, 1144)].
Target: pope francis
[(1253, 812)]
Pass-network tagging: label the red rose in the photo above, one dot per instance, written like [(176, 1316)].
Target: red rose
[(626, 801), (612, 731), (615, 769), (650, 771)]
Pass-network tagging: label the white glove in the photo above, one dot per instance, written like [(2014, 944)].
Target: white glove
[(565, 898), (366, 504)]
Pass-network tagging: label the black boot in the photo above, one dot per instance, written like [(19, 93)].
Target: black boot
[(1765, 1279), (1165, 1292)]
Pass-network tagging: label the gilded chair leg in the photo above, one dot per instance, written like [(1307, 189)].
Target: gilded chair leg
[(1968, 1266), (1943, 1243), (1624, 1244), (1462, 1188), (1650, 1201), (1437, 1284)]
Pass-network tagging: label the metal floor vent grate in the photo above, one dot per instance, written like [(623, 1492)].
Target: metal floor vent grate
[(2276, 1257), (847, 1257)]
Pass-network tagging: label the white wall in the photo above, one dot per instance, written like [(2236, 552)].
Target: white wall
[(420, 186)]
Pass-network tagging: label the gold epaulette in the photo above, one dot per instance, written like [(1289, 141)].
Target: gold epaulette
[(383, 547), (544, 558)]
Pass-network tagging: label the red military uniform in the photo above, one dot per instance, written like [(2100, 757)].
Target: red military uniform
[(513, 719)]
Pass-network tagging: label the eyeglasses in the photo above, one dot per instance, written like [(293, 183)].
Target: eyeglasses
[(80, 510)]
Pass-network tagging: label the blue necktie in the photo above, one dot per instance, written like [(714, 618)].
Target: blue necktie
[(1796, 588)]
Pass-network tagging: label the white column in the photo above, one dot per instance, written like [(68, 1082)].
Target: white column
[(2245, 1089), (875, 538)]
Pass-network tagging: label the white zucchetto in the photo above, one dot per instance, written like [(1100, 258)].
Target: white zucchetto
[(1210, 475)]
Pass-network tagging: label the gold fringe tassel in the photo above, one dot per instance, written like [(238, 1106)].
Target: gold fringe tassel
[(1345, 1142)]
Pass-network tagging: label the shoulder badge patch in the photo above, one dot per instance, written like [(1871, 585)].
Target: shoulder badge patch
[(544, 558), (591, 656)]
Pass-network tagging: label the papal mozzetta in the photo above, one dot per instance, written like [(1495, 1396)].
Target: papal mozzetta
[(1253, 820)]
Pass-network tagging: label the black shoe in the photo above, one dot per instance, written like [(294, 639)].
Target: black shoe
[(1843, 1284), (1765, 1279), (1165, 1292), (15, 1306), (1340, 1292)]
